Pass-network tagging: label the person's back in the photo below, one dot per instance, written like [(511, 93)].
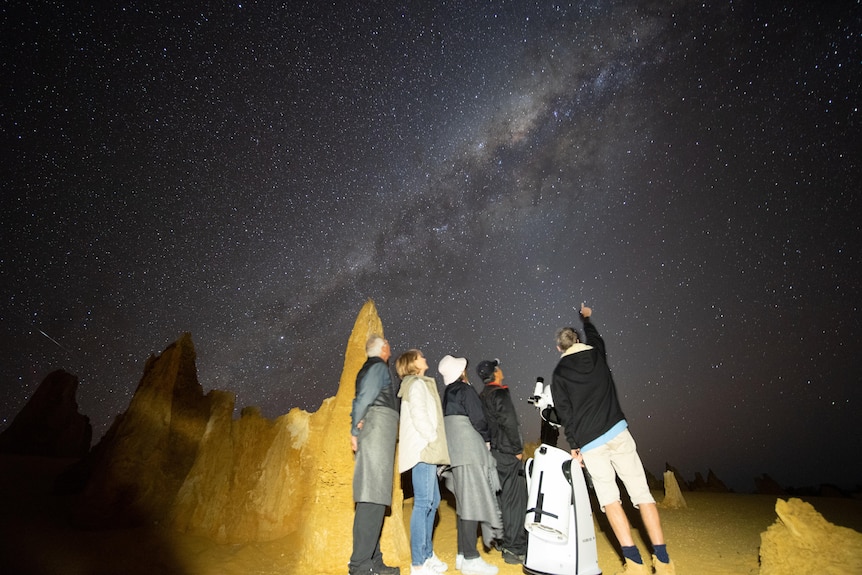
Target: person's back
[(507, 449), (586, 401), (422, 447), (471, 467), (373, 435), (502, 419), (585, 394), (461, 398)]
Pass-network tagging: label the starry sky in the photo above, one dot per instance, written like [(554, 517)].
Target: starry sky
[(253, 172)]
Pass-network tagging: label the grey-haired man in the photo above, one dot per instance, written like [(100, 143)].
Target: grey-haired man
[(373, 434)]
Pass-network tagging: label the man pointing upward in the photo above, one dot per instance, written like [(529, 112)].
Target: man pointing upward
[(585, 398)]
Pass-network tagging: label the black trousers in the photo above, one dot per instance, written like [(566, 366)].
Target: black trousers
[(513, 501), (367, 527), (467, 534)]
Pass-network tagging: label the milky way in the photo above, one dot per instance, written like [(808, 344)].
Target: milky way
[(253, 174)]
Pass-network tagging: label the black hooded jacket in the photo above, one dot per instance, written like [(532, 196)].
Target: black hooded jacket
[(502, 419), (584, 392)]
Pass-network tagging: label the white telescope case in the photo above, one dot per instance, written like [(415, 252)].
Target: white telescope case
[(561, 535)]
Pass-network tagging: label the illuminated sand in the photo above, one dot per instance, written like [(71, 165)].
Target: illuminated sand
[(717, 534)]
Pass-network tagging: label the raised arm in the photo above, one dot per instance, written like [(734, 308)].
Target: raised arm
[(591, 334)]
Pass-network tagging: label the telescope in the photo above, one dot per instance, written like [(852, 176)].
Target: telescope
[(544, 402)]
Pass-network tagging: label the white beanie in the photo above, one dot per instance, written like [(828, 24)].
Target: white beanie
[(451, 368)]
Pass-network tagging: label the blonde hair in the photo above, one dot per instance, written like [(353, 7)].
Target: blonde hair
[(567, 337), (406, 363)]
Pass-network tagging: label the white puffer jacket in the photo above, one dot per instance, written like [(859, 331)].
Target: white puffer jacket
[(422, 437)]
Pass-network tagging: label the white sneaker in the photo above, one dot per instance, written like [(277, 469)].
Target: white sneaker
[(459, 560), (477, 566), (435, 563)]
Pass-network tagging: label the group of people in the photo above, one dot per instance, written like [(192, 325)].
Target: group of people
[(472, 440)]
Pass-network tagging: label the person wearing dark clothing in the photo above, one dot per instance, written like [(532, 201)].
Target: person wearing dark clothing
[(461, 398), (507, 448), (472, 476), (373, 434), (586, 401)]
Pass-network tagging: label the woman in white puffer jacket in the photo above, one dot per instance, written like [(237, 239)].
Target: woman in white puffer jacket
[(422, 447)]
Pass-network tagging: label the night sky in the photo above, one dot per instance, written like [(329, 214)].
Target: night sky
[(253, 172)]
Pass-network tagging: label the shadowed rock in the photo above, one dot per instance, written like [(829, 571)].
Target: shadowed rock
[(712, 483), (141, 462), (49, 424), (765, 485), (829, 490), (654, 483)]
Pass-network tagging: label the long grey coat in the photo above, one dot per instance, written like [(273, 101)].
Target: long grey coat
[(473, 477), (375, 457)]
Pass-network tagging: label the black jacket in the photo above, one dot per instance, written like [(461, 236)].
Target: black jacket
[(460, 398), (502, 419), (584, 392)]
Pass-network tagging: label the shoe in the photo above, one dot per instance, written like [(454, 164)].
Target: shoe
[(383, 569), (632, 568), (477, 566), (459, 560), (436, 564), (513, 558), (663, 568)]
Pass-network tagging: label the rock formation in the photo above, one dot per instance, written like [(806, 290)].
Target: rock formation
[(256, 480), (765, 485), (327, 516), (681, 482), (829, 490), (673, 498), (49, 425), (654, 482), (178, 457), (802, 541), (141, 462), (712, 483)]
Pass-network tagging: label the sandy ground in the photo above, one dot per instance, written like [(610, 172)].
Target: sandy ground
[(717, 534)]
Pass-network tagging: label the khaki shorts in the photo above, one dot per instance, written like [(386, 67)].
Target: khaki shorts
[(618, 456)]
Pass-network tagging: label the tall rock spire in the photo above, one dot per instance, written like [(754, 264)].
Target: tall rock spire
[(328, 516), (177, 458)]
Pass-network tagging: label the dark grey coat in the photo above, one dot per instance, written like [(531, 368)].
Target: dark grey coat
[(375, 456), (472, 477)]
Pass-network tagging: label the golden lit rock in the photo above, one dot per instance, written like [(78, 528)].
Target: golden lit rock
[(177, 457), (802, 541), (673, 498)]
